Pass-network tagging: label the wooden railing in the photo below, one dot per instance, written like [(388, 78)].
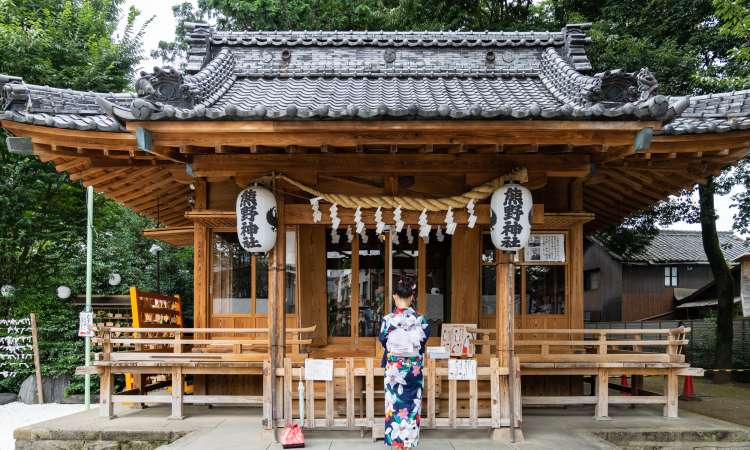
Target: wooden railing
[(182, 351), (592, 345), (349, 400), (601, 354), (135, 344)]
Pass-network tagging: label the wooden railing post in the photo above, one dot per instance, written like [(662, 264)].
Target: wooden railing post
[(287, 391), (431, 392), (349, 393), (330, 398), (177, 342), (602, 345), (370, 392), (268, 381)]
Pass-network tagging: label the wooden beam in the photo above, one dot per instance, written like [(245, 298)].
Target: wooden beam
[(567, 165), (341, 126)]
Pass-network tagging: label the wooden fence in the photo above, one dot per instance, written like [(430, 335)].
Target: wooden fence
[(349, 400)]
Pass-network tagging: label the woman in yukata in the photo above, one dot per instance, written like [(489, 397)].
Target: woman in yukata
[(403, 334)]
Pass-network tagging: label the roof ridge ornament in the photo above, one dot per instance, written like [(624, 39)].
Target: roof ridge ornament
[(617, 87), (165, 85)]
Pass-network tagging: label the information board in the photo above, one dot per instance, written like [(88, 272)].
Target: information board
[(547, 247)]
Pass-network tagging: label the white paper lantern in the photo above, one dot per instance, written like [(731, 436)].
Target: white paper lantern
[(63, 292), (7, 290), (114, 279), (510, 217), (256, 219)]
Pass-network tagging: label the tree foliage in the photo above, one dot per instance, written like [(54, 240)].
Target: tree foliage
[(42, 213)]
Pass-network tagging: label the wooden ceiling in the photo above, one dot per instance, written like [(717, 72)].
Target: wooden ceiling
[(620, 175)]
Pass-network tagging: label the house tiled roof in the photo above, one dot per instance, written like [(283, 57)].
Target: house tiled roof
[(360, 75), (675, 246)]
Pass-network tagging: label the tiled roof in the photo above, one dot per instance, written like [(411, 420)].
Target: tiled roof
[(713, 113), (364, 75), (675, 246)]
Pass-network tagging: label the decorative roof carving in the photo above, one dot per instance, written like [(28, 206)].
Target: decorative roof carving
[(617, 87), (165, 85)]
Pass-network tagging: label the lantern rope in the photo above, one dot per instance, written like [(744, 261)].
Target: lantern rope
[(408, 202)]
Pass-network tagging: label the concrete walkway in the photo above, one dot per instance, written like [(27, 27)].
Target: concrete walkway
[(229, 428)]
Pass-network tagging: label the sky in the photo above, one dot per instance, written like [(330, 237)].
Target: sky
[(162, 29)]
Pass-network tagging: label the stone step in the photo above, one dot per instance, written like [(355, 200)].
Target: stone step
[(692, 445), (625, 437)]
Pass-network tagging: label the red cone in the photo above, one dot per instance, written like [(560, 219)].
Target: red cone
[(624, 383), (687, 389)]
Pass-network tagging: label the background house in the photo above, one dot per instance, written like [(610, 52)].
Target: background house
[(647, 285)]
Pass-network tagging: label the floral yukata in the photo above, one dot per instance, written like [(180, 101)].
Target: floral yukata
[(403, 334)]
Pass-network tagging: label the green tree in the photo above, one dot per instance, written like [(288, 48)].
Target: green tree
[(42, 213)]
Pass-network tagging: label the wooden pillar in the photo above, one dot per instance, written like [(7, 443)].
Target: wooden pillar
[(671, 391), (602, 395), (177, 385), (201, 280), (576, 195), (276, 314), (106, 408), (504, 311)]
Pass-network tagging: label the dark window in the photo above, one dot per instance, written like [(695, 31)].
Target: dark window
[(438, 281), (545, 289), (670, 276), (339, 284), (371, 284), (591, 279), (230, 275)]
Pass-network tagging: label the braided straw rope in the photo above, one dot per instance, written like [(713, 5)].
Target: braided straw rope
[(412, 203)]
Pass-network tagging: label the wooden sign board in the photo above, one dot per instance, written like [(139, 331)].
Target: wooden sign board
[(462, 369), (458, 339), (319, 369)]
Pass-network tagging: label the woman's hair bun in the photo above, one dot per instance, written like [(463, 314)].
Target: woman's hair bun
[(405, 287)]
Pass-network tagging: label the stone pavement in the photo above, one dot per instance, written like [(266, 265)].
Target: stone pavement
[(230, 428)]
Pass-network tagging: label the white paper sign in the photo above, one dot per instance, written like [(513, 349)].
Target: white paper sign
[(545, 247), (86, 324), (462, 369), (319, 369), (745, 288), (438, 353)]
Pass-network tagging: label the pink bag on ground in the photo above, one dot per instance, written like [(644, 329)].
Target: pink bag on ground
[(292, 437)]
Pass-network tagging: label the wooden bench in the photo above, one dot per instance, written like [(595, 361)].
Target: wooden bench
[(601, 354), (179, 352)]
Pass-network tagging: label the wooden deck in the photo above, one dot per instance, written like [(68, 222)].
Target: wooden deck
[(348, 401)]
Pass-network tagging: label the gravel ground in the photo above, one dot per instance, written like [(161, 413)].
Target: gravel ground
[(722, 401), (17, 414)]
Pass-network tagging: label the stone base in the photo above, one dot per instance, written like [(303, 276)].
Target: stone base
[(61, 439), (6, 398), (507, 436)]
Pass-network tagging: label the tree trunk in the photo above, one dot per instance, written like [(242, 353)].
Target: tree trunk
[(724, 282)]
